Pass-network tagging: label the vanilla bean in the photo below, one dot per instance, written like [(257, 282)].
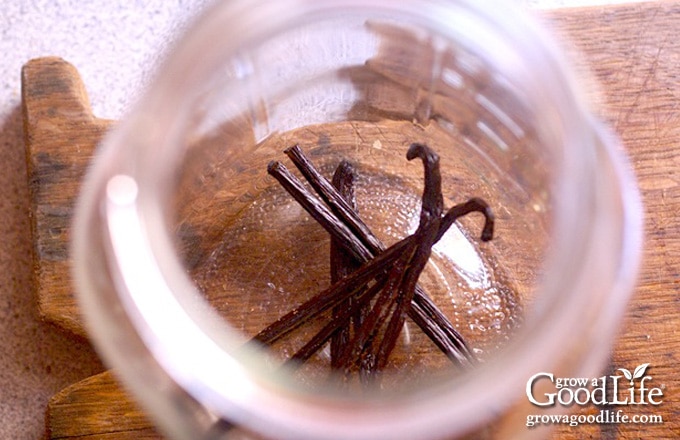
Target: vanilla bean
[(337, 204), (338, 322), (434, 323), (333, 295), (359, 349), (395, 298), (428, 228), (454, 347), (390, 276), (319, 212), (342, 264)]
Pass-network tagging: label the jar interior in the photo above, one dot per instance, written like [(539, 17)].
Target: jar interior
[(363, 90)]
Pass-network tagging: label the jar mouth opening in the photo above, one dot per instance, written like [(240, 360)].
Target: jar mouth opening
[(132, 204)]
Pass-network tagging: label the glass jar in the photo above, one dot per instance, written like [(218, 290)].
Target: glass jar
[(184, 248)]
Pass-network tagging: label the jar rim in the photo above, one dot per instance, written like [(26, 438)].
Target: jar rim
[(121, 202)]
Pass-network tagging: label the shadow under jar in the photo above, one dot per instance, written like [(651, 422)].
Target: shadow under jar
[(187, 248)]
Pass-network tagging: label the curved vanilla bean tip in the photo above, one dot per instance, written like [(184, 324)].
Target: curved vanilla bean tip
[(432, 200), (422, 151), (489, 218), (474, 204)]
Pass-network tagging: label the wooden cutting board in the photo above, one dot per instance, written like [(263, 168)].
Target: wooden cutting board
[(634, 53)]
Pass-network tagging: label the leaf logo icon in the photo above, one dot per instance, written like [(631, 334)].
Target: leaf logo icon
[(627, 374), (640, 371), (636, 374)]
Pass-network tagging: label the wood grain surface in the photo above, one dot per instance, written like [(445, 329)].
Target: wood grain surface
[(60, 134), (633, 52), (97, 408)]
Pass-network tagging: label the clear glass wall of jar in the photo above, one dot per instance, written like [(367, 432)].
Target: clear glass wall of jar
[(185, 248)]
